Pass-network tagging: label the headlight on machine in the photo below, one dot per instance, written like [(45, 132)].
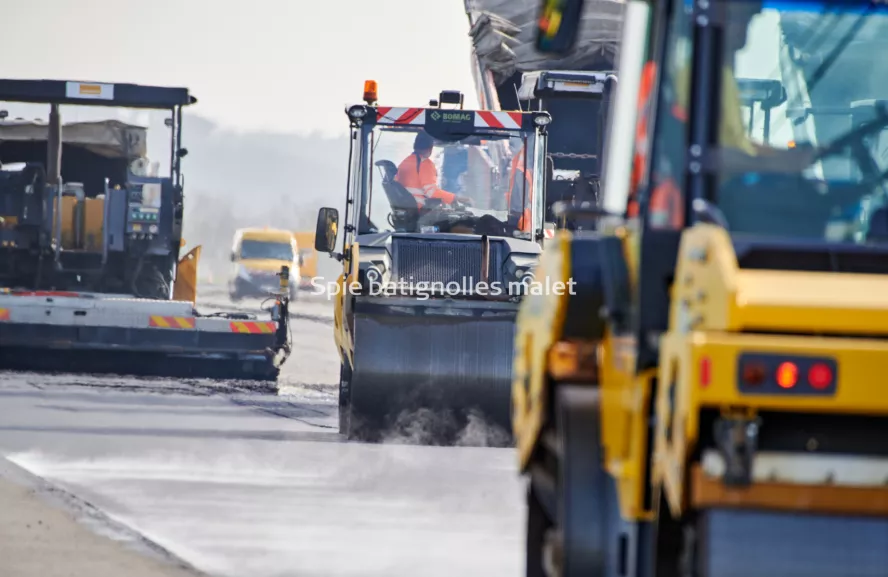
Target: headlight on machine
[(372, 277), (519, 273)]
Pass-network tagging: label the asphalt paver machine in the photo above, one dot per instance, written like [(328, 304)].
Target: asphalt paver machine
[(92, 275)]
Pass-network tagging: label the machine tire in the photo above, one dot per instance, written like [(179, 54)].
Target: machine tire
[(538, 526), (345, 374), (582, 483)]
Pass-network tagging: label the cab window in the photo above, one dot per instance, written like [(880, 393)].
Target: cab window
[(665, 201), (801, 81)]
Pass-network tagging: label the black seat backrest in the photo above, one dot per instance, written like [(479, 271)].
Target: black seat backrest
[(390, 171), (398, 196), (14, 199)]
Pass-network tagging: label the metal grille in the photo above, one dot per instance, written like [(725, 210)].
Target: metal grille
[(443, 262)]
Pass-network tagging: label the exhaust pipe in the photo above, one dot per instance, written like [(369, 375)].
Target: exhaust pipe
[(485, 261), (54, 174)]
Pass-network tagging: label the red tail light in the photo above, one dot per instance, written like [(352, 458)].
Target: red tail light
[(820, 376), (754, 373), (705, 372), (779, 374)]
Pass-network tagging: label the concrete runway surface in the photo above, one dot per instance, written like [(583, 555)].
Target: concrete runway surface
[(237, 481)]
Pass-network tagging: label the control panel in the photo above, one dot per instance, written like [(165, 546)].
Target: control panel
[(143, 210)]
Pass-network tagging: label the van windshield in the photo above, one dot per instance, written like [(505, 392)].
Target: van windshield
[(258, 249)]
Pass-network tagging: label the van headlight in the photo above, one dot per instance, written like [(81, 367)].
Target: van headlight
[(244, 273)]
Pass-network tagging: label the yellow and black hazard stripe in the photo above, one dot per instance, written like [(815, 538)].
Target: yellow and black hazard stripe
[(252, 327), (162, 322)]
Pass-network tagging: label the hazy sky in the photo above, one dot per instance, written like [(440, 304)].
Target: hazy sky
[(281, 65)]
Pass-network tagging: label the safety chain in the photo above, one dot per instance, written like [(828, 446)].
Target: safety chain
[(571, 155)]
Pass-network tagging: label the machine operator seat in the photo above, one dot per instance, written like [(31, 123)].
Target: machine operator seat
[(405, 211), (22, 192)]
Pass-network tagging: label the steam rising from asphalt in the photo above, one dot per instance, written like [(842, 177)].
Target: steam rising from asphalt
[(427, 427)]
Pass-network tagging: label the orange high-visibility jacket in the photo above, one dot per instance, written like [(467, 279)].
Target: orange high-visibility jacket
[(665, 209), (517, 190), (421, 180), (639, 157)]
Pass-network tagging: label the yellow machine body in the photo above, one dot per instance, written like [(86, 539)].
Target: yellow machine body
[(719, 311), (342, 332), (185, 285), (544, 358)]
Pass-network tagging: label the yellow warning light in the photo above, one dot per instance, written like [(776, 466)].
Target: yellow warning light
[(370, 92), (787, 375), (791, 144)]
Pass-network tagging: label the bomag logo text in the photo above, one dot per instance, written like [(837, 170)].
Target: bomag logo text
[(456, 116)]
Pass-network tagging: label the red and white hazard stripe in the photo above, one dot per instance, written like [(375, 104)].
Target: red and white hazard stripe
[(491, 119), (549, 233), (389, 115)]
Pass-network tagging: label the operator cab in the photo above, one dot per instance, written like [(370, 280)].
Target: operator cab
[(799, 157), (578, 102), (465, 178)]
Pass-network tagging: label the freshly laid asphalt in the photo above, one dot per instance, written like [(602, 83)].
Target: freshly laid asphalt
[(235, 480)]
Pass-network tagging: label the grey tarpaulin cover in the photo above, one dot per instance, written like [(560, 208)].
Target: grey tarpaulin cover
[(503, 35), (110, 138)]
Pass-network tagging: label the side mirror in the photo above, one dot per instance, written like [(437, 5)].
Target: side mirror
[(326, 230), (558, 25), (233, 257)]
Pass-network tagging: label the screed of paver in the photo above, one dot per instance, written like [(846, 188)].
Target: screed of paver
[(39, 540)]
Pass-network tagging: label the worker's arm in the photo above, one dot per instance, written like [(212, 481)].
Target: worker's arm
[(739, 153), (428, 176)]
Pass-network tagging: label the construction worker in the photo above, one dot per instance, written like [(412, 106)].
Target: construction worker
[(737, 151), (520, 187), (417, 173), (639, 156)]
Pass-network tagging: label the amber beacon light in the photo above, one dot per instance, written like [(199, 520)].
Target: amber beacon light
[(370, 92)]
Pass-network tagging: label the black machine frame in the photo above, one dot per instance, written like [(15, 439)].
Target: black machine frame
[(55, 92), (27, 265)]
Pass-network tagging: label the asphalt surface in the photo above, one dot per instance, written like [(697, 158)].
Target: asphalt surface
[(237, 480)]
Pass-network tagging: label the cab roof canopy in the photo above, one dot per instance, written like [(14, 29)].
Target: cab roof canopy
[(447, 123), (577, 83), (94, 94), (107, 138)]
